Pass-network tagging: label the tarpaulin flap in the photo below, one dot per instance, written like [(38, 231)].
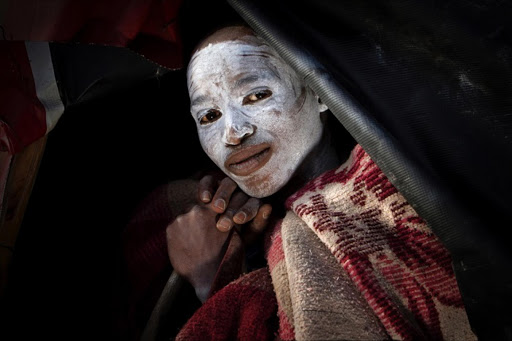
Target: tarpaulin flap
[(85, 72), (425, 89), (40, 80)]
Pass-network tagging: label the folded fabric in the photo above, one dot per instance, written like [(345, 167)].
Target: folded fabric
[(350, 260)]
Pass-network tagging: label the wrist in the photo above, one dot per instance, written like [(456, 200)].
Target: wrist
[(202, 281), (202, 292)]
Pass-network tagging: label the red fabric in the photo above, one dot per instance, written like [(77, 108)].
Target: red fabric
[(414, 263), (148, 27), (22, 116), (244, 310), (401, 269)]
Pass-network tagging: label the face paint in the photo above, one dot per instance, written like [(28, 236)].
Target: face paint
[(255, 118)]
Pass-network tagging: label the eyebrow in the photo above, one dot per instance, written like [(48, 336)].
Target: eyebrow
[(258, 53), (246, 79), (198, 101)]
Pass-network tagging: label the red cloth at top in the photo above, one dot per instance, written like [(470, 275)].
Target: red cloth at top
[(147, 27)]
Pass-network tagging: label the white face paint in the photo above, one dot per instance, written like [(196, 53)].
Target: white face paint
[(255, 118)]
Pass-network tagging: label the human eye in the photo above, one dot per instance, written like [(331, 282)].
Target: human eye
[(210, 116), (256, 96)]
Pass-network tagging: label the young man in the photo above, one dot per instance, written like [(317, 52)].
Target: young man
[(347, 256), (257, 123)]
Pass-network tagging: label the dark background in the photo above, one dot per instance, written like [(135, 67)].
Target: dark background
[(116, 142), (102, 159)]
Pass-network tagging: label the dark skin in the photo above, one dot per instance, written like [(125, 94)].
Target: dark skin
[(196, 240)]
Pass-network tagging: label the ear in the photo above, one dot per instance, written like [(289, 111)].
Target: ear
[(321, 106)]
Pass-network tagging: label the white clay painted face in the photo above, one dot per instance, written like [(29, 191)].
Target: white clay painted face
[(255, 118)]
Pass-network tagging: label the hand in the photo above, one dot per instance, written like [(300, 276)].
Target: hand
[(196, 241), (236, 208)]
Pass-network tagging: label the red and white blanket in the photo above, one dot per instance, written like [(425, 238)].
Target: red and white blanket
[(352, 261)]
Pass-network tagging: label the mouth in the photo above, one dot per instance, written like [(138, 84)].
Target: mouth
[(248, 160)]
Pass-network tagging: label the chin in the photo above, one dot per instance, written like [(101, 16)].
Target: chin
[(257, 193), (260, 189)]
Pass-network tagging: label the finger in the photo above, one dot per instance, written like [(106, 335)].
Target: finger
[(223, 194), (247, 211), (225, 222), (260, 221), (257, 225), (206, 188)]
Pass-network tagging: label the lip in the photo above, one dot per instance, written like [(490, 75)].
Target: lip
[(249, 159)]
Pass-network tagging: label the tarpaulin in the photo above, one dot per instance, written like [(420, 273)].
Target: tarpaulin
[(425, 88)]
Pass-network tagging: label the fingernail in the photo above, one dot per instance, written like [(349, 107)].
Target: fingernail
[(266, 214), (220, 203), (240, 217), (224, 224), (206, 196)]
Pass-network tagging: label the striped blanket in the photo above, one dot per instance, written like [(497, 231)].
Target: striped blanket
[(351, 260)]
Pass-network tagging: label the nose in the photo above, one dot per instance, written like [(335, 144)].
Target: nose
[(237, 129)]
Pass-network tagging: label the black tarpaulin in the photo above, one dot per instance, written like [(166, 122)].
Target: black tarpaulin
[(425, 88)]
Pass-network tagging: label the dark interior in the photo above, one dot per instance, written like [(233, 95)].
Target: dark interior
[(100, 161)]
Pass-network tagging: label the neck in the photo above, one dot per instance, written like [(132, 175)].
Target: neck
[(321, 159)]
